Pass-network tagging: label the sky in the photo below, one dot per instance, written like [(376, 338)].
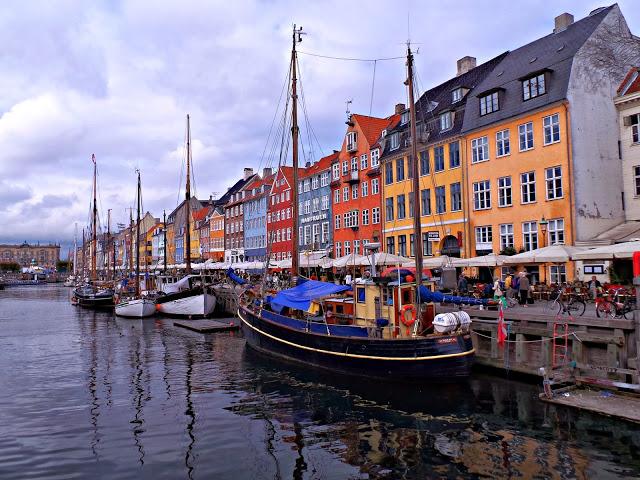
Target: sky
[(117, 78)]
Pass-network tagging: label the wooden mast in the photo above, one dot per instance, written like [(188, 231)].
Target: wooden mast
[(417, 227), (106, 249), (130, 240), (94, 239), (164, 231), (84, 256), (138, 240), (295, 254), (75, 251), (187, 205)]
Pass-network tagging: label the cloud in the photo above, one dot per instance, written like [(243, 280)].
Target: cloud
[(118, 78)]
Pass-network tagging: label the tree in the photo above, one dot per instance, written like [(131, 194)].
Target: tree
[(10, 267), (63, 265)]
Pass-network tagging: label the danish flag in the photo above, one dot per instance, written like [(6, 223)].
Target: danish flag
[(502, 328)]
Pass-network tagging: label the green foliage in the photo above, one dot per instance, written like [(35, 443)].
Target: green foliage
[(9, 267), (508, 251), (63, 265)]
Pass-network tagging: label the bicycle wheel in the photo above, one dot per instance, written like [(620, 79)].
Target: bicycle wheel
[(605, 309), (576, 307)]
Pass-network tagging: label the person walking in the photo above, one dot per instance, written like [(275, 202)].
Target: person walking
[(498, 294), (524, 288), (463, 285)]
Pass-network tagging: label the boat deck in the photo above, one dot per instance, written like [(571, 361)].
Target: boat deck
[(208, 325)]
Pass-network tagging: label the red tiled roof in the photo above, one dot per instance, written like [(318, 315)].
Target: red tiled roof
[(372, 126), (629, 84), (201, 214), (323, 164)]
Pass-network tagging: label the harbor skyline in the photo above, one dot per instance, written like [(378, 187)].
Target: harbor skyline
[(117, 87)]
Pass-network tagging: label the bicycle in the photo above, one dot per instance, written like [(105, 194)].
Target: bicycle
[(615, 308), (557, 306)]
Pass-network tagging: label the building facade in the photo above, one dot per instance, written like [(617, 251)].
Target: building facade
[(255, 217), (280, 215), (314, 209), (216, 234), (234, 219), (355, 185), (45, 255), (628, 104)]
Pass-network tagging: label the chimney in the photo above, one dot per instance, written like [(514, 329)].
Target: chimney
[(266, 172), (465, 64), (247, 173), (562, 22), (400, 107)]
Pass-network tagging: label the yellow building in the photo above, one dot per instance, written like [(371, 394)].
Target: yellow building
[(439, 115)]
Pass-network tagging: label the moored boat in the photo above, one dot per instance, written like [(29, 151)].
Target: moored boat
[(136, 308)]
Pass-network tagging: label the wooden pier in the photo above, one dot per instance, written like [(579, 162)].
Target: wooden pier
[(208, 325)]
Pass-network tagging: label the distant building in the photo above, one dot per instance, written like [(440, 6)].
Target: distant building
[(255, 216), (280, 215), (25, 254)]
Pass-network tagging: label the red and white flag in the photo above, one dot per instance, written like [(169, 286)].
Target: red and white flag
[(502, 328)]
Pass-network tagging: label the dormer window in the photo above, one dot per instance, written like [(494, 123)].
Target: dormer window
[(394, 141), (533, 87), (352, 141), (446, 121), (404, 118), (489, 103), (456, 95)]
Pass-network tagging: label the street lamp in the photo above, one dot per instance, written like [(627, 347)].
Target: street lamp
[(543, 226)]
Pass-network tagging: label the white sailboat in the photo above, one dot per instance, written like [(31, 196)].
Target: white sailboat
[(190, 296), (138, 306)]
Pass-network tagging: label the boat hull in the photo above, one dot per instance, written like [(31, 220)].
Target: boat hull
[(436, 358), (189, 304), (94, 300), (137, 308)]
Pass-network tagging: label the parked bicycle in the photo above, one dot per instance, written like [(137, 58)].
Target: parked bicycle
[(616, 307), (574, 306)]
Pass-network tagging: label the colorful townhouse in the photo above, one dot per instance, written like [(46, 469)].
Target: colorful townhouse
[(541, 167), (280, 215), (314, 210), (201, 226), (178, 232), (216, 234), (157, 244), (255, 216), (234, 220), (355, 184), (443, 216)]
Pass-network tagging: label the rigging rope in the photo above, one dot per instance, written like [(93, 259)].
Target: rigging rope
[(351, 59)]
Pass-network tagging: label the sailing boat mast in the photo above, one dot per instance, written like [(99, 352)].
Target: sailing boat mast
[(417, 227), (75, 250), (188, 200), (164, 231), (106, 248), (94, 239), (295, 254), (84, 256), (138, 240), (130, 240)]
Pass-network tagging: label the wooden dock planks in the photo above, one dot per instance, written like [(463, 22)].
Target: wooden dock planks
[(209, 326)]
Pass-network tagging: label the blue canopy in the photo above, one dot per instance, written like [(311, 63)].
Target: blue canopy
[(427, 295), (235, 278), (300, 296)]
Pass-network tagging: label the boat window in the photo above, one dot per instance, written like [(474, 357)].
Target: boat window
[(361, 295), (339, 309), (387, 296), (406, 296)]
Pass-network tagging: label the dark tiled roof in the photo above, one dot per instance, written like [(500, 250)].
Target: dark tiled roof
[(439, 100), (553, 52)]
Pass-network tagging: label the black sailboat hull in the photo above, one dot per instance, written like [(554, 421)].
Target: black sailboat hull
[(94, 300), (438, 358)]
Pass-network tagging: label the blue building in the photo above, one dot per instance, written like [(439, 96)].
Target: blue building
[(314, 210), (255, 217)]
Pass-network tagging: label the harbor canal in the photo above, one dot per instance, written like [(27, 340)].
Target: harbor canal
[(86, 395)]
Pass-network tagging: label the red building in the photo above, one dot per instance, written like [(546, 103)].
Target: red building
[(356, 185), (280, 215)]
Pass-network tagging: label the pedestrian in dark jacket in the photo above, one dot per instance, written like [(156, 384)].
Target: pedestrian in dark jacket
[(523, 287)]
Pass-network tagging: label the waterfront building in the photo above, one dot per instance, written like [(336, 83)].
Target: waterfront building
[(170, 242), (200, 236), (45, 255), (280, 215), (178, 219), (314, 210), (628, 104), (355, 184), (216, 234), (157, 244), (443, 216), (541, 141), (234, 219), (255, 216)]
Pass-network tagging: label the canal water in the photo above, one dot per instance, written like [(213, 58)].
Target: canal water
[(87, 395)]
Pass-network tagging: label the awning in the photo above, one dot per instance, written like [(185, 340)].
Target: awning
[(431, 262), (348, 260), (300, 296), (491, 260), (609, 252), (384, 258), (551, 254)]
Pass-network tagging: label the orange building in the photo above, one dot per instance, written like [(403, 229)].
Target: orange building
[(216, 235), (356, 185)]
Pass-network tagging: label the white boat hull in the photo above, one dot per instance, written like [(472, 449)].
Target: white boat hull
[(200, 305), (138, 308)]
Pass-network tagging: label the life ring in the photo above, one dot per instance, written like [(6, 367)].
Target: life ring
[(403, 317)]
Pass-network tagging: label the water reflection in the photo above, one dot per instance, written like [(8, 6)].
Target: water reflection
[(133, 398)]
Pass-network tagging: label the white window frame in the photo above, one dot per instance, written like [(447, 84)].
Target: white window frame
[(338, 249), (335, 169), (324, 179), (365, 189), (336, 196), (533, 87), (354, 191), (528, 187), (484, 237), (506, 236), (529, 235), (375, 186), (551, 129), (338, 222), (325, 202), (325, 232), (489, 103), (345, 167), (553, 182), (555, 231), (354, 164), (558, 274), (345, 194), (394, 141), (315, 182), (482, 195), (636, 180), (480, 149), (364, 161), (375, 215), (505, 190), (525, 137), (365, 216), (446, 121), (456, 95), (503, 143), (375, 158)]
